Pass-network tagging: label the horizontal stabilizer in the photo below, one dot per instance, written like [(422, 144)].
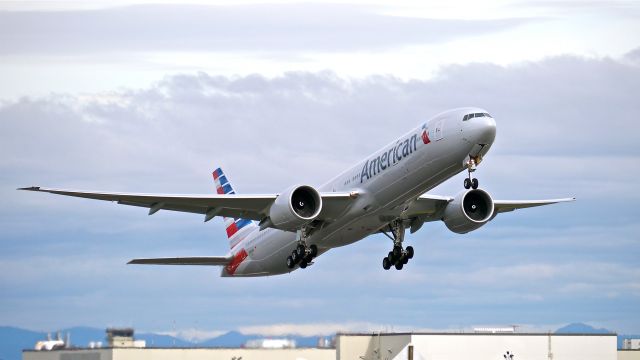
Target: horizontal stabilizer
[(202, 260)]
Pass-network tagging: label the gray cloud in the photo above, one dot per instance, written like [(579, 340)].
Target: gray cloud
[(633, 55), (566, 126), (258, 28)]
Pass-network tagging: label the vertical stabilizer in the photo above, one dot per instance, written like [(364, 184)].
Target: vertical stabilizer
[(237, 229)]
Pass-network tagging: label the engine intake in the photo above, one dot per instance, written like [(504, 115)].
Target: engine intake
[(295, 207), (468, 211)]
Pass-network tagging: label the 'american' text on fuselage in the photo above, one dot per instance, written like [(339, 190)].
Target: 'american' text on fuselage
[(390, 157)]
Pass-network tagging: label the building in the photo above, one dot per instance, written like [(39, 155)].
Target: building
[(630, 350), (481, 345), (123, 337), (477, 346), (631, 344), (625, 354), (270, 344), (119, 353)]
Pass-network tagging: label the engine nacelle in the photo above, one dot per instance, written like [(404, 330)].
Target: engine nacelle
[(295, 207), (468, 211)]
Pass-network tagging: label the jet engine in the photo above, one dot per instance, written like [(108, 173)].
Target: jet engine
[(468, 211), (295, 207)]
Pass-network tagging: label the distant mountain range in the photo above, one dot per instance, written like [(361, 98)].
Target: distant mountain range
[(13, 340), (580, 328)]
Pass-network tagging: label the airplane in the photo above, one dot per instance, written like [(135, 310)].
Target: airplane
[(386, 192)]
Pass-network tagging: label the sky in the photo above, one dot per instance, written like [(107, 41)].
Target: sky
[(151, 96)]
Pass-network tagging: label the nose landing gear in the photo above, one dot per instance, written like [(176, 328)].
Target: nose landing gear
[(398, 257), (471, 182)]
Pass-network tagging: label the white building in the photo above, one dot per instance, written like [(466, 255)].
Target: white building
[(476, 346), (631, 344)]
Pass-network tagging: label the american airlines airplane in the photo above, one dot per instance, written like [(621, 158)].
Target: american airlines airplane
[(385, 193)]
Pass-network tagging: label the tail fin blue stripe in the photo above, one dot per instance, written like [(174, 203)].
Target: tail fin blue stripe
[(240, 223), (233, 226)]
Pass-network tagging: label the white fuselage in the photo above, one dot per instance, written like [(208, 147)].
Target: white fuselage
[(386, 181)]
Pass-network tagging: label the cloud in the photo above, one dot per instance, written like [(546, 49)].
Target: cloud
[(633, 55), (566, 126), (264, 28)]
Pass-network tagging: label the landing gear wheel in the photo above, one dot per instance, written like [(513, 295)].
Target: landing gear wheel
[(404, 260), (399, 265), (294, 256), (290, 262), (409, 252), (386, 263), (314, 250), (467, 183), (397, 252), (474, 183), (303, 264), (300, 251), (308, 258)]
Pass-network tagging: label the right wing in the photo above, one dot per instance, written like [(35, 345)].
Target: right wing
[(205, 260)]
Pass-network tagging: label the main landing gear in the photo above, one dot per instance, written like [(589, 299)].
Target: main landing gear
[(397, 257), (302, 254), (471, 182)]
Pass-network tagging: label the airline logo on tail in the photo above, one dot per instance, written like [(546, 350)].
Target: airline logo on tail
[(237, 229)]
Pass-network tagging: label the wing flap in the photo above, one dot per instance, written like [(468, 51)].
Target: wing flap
[(202, 261), (335, 204), (427, 206)]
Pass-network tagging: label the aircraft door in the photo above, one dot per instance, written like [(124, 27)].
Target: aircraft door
[(437, 130)]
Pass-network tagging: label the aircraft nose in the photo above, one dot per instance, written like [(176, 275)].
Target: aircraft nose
[(480, 129), (487, 131)]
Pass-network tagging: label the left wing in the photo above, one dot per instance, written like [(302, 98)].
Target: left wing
[(253, 207), (510, 205), (431, 207)]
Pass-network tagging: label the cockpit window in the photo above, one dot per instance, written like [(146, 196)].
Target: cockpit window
[(470, 116)]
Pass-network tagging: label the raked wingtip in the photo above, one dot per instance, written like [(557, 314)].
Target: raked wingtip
[(30, 188)]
